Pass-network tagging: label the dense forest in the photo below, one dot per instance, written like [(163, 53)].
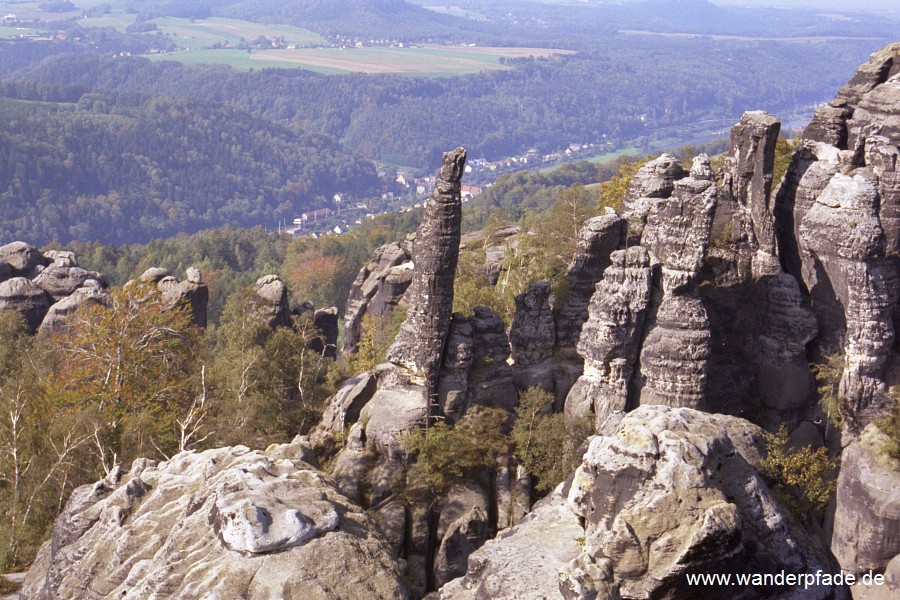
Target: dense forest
[(114, 167)]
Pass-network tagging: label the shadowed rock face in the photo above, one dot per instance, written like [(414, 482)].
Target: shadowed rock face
[(532, 334), (23, 295), (236, 513), (420, 342)]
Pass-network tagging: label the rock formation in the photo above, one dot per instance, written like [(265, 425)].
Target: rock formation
[(23, 295), (418, 346), (661, 493), (271, 301), (378, 288), (92, 292), (532, 335), (867, 520), (24, 259), (597, 239), (748, 183), (837, 213), (208, 525), (611, 338)]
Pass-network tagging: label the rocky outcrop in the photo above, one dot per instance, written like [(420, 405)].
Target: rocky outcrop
[(377, 289), (611, 338), (24, 259), (656, 179), (837, 229), (597, 239), (63, 276), (223, 523), (532, 335), (57, 318), (661, 493), (191, 292), (23, 295), (522, 562), (271, 301), (666, 492), (419, 344), (867, 517), (748, 184)]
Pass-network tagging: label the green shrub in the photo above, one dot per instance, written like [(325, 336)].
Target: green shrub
[(801, 479)]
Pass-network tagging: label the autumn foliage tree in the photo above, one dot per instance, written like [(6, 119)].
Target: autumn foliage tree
[(130, 368)]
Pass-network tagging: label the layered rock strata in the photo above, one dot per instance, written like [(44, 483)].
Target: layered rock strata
[(597, 239), (611, 338), (837, 225), (418, 346), (748, 183), (866, 532)]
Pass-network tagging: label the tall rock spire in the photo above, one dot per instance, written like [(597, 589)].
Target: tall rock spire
[(418, 346)]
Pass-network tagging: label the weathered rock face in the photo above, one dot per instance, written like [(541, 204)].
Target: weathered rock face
[(522, 562), (23, 295), (867, 518), (748, 183), (24, 259), (419, 345), (837, 227), (59, 313), (661, 493), (597, 239), (786, 326), (235, 513), (532, 335), (454, 376), (272, 301), (654, 180), (611, 338), (490, 378), (63, 277), (666, 492), (378, 288), (193, 293)]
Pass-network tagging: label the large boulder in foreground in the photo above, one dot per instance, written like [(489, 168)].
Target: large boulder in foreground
[(662, 493), (225, 523)]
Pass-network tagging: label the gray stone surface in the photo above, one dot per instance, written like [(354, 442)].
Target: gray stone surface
[(532, 335), (611, 338), (60, 312), (419, 344), (748, 183), (24, 259), (597, 239), (669, 493), (837, 215), (271, 301), (378, 288), (23, 295), (210, 524), (867, 518)]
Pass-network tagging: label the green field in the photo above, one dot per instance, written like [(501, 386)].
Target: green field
[(13, 32)]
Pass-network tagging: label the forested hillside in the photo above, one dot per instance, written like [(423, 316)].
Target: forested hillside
[(123, 168)]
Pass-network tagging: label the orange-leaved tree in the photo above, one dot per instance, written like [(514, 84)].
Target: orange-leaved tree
[(130, 368)]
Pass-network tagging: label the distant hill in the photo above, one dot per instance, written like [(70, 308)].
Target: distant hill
[(358, 18), (119, 168)]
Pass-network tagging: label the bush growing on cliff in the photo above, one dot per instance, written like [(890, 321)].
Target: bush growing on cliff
[(445, 455), (800, 478), (828, 379), (546, 443)]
